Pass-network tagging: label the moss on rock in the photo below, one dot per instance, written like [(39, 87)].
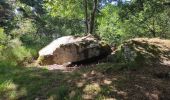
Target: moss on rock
[(143, 51)]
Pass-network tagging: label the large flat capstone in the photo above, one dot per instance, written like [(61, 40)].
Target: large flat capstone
[(72, 49)]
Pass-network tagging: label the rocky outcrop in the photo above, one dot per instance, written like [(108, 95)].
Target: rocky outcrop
[(70, 49), (144, 51)]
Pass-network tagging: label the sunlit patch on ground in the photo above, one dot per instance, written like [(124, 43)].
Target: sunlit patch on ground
[(106, 81), (9, 90)]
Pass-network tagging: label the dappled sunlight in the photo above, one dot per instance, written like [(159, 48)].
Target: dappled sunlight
[(84, 50), (94, 84), (20, 82), (153, 95), (81, 83), (88, 83), (11, 91), (91, 90), (107, 82)]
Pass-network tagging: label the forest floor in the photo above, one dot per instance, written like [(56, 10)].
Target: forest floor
[(104, 81)]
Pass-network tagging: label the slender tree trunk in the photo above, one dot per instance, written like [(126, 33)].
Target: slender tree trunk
[(92, 16), (86, 17), (153, 28)]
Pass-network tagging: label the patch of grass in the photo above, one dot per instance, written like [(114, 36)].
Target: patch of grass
[(30, 83), (97, 82), (18, 82), (59, 93)]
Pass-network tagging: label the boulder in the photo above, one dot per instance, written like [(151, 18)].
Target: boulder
[(144, 51), (71, 49)]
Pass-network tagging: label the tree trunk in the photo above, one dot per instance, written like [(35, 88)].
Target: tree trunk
[(92, 16), (153, 28), (86, 17)]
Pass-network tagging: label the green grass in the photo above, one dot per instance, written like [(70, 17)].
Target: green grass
[(13, 82), (27, 83), (30, 83), (97, 82)]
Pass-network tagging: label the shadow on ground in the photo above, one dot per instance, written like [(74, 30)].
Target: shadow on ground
[(101, 81)]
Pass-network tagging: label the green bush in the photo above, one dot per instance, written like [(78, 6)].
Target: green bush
[(3, 40), (12, 50), (34, 43), (23, 26), (15, 52)]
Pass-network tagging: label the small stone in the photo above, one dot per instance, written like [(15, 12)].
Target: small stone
[(122, 93), (108, 82), (80, 84), (72, 94), (84, 75), (87, 97), (93, 72), (110, 99)]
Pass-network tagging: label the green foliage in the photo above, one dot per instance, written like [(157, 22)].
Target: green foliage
[(57, 26), (3, 40), (12, 50), (146, 18), (117, 23), (109, 26), (3, 37), (5, 14), (66, 8), (25, 26), (15, 53)]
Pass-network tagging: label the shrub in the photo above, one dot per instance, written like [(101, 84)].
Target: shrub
[(15, 52), (12, 50), (3, 42)]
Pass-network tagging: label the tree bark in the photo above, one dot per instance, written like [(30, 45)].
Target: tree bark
[(86, 17), (153, 28), (92, 16)]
